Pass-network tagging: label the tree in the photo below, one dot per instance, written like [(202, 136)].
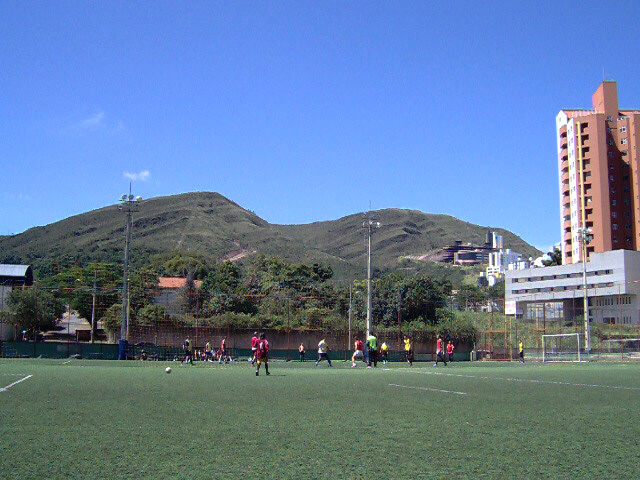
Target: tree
[(185, 263), (151, 314), (35, 310), (470, 296), (555, 258), (112, 318)]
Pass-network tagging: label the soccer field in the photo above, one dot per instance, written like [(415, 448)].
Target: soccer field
[(107, 419)]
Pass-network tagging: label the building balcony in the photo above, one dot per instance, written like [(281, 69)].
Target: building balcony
[(565, 177), (567, 226)]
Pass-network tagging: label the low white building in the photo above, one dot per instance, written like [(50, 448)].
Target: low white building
[(556, 293)]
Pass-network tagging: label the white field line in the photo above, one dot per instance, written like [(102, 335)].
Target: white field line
[(13, 374), (426, 389), (523, 380), (15, 383), (68, 361)]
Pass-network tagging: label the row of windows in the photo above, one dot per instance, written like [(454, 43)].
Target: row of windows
[(614, 203), (603, 302), (615, 239), (566, 288), (561, 276)]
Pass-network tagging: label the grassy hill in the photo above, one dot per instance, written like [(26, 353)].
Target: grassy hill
[(218, 228)]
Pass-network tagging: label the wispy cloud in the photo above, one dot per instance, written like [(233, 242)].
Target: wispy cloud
[(142, 176), (98, 122), (19, 196), (95, 120)]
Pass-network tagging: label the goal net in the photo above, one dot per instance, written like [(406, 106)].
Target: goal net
[(564, 347)]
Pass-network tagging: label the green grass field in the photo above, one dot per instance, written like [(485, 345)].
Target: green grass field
[(109, 419)]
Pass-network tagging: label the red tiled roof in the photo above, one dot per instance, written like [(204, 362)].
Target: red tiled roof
[(175, 282)]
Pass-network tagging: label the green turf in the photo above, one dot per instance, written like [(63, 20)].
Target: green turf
[(108, 419)]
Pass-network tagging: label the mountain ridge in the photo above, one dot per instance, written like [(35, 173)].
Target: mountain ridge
[(218, 228)]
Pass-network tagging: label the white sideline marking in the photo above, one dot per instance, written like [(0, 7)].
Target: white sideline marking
[(525, 380), (15, 383), (426, 389), (13, 374), (68, 361)]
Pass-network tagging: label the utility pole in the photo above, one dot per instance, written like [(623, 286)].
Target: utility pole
[(585, 238), (369, 224), (128, 204)]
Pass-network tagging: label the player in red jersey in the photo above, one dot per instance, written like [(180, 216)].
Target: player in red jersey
[(450, 350), (359, 353), (440, 353), (254, 347), (263, 354)]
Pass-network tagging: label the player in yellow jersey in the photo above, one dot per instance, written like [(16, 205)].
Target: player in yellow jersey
[(408, 350), (521, 348), (384, 349)]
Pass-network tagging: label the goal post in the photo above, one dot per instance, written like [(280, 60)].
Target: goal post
[(562, 347)]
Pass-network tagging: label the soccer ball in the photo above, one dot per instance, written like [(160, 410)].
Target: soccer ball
[(168, 369)]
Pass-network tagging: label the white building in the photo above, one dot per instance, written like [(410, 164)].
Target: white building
[(556, 293), (503, 260)]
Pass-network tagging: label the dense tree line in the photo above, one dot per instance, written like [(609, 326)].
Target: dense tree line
[(268, 291)]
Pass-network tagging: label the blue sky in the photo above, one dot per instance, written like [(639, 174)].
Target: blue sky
[(302, 111)]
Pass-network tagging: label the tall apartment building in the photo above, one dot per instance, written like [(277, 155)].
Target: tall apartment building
[(599, 168)]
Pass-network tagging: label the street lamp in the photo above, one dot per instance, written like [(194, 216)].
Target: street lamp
[(585, 237), (128, 205)]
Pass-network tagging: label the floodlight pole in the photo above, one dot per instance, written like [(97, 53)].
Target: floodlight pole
[(124, 325), (585, 238), (93, 308), (128, 204), (369, 225), (350, 310)]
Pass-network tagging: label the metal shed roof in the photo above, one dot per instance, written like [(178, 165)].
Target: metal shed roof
[(18, 271)]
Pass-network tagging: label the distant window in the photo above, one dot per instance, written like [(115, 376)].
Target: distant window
[(624, 141), (611, 142), (628, 226), (609, 118), (627, 213), (626, 189), (623, 129), (609, 130), (612, 166), (626, 201), (628, 239), (612, 178), (610, 154), (614, 215), (614, 226), (615, 240), (613, 203)]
